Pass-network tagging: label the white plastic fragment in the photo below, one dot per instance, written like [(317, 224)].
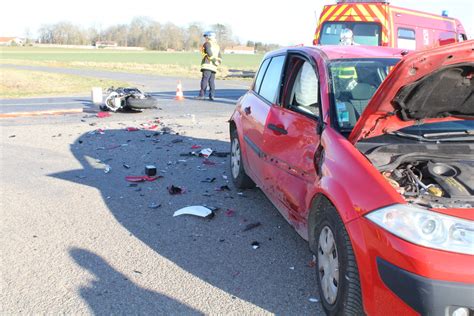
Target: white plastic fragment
[(313, 300), (206, 152), (196, 210)]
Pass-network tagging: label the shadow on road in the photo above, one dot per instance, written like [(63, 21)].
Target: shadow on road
[(228, 96), (219, 251), (111, 292)]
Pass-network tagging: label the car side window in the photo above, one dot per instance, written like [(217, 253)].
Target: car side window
[(303, 88), (261, 73), (271, 81)]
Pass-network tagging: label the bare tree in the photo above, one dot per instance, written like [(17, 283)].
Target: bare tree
[(194, 36), (224, 35)]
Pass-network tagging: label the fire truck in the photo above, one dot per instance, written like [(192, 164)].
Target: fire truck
[(378, 23)]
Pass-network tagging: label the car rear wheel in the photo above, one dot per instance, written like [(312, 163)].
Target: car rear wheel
[(337, 273), (240, 178)]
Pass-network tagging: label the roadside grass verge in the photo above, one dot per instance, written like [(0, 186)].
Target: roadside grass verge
[(182, 64), (24, 83), (173, 70)]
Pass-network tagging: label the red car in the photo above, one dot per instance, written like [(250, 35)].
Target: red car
[(369, 154)]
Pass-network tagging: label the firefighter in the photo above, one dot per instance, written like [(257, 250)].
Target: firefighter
[(211, 59)]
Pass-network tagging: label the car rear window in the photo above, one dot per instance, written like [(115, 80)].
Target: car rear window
[(271, 81)]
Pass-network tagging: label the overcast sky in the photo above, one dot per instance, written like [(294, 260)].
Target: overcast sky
[(285, 23)]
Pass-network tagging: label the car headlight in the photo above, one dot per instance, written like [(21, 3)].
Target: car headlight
[(426, 228)]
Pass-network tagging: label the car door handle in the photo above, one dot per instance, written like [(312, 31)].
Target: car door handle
[(248, 110), (277, 129)]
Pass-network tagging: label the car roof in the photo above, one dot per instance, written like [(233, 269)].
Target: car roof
[(345, 52)]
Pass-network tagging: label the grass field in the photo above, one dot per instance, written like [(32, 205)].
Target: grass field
[(24, 83), (148, 62), (244, 62)]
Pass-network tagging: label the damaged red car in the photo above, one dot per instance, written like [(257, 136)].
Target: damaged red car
[(369, 153)]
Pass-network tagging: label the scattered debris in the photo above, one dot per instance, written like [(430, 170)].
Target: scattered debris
[(292, 268), (149, 126), (255, 245), (103, 114), (208, 162), (150, 170), (11, 136), (196, 210), (173, 190), (251, 226), (126, 166), (206, 152), (154, 205), (177, 140), (313, 300), (195, 147), (97, 131), (223, 188), (312, 263), (141, 178), (136, 271), (131, 129), (224, 177), (107, 168), (230, 212), (209, 180)]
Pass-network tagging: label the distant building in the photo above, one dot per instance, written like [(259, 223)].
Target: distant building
[(240, 50), (9, 41)]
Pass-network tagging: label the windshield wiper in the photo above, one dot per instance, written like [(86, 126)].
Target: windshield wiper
[(455, 133), (438, 137)]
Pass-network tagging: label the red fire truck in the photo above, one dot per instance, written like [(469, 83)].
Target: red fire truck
[(378, 23)]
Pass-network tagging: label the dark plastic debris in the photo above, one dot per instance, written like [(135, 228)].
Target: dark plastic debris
[(173, 190), (154, 205), (251, 226), (150, 170), (223, 188), (209, 180)]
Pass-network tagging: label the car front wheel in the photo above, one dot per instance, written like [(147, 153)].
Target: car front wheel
[(337, 273), (240, 178)]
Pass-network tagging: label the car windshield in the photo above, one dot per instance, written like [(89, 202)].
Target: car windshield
[(353, 83), (365, 33)]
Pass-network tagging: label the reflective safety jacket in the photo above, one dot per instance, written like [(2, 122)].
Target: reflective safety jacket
[(211, 56)]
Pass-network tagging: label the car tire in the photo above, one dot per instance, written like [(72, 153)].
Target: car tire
[(239, 176), (146, 103), (336, 266)]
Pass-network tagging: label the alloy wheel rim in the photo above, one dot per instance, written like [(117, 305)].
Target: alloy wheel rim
[(235, 158), (328, 265)]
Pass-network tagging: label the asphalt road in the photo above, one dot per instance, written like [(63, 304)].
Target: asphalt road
[(162, 88), (77, 240)]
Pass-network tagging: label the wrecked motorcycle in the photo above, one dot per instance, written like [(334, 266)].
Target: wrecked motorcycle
[(127, 99)]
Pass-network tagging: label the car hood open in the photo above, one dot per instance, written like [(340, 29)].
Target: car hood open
[(428, 86)]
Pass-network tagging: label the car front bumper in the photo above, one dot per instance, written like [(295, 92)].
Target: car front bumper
[(400, 278), (427, 296)]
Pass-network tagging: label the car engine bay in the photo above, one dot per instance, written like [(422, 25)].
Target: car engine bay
[(432, 175)]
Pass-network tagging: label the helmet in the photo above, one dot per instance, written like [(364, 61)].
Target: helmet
[(209, 35), (346, 37)]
